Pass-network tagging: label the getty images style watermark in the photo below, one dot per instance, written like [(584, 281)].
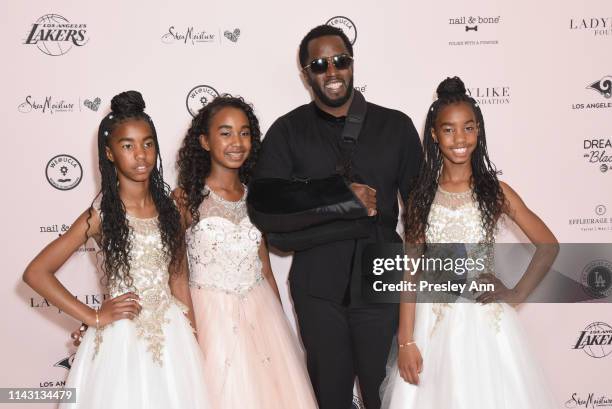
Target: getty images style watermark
[(462, 272)]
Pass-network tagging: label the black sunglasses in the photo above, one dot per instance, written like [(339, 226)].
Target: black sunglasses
[(320, 65)]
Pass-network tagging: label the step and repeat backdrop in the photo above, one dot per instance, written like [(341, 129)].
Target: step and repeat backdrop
[(541, 71)]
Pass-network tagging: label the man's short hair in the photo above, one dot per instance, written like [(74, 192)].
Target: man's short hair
[(321, 31)]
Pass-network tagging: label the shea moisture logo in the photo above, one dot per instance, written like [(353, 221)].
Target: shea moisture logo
[(598, 152), (592, 401), (187, 35), (190, 35), (54, 35)]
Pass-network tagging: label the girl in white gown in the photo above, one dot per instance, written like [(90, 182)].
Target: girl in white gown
[(140, 351), (465, 355)]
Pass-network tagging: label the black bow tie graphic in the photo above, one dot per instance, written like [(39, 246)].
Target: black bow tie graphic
[(468, 28)]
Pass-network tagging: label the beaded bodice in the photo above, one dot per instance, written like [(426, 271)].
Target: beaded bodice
[(223, 246), (454, 218), (149, 278)]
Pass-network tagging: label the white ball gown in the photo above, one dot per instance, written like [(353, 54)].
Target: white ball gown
[(474, 355), (242, 330), (152, 361)]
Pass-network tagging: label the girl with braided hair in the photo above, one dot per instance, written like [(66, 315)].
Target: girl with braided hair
[(140, 351), (465, 354), (242, 330)]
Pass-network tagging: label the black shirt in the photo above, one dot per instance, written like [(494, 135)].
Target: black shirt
[(387, 158)]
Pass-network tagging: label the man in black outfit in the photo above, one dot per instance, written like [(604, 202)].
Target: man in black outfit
[(343, 335)]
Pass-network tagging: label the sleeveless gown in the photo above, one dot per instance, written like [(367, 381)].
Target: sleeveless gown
[(242, 330), (474, 355), (152, 361)]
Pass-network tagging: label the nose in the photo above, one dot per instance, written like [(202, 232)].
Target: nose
[(331, 68), (139, 152)]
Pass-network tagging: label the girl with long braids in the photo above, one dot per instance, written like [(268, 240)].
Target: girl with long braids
[(465, 354), (242, 330), (140, 351)]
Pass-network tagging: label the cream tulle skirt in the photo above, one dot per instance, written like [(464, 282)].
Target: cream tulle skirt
[(474, 357), (124, 375)]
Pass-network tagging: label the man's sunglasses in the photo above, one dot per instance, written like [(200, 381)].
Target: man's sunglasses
[(320, 65)]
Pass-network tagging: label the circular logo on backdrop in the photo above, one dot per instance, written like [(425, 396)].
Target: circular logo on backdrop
[(595, 340), (54, 35), (64, 172), (600, 210), (345, 24), (198, 97), (597, 278)]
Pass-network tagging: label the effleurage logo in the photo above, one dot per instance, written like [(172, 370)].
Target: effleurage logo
[(473, 30), (191, 35), (598, 26), (595, 340), (54, 35), (600, 92), (597, 221), (598, 152)]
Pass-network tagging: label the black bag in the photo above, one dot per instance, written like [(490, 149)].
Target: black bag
[(303, 213)]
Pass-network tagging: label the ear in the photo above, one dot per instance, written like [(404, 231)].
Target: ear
[(109, 154), (204, 142), (434, 136)]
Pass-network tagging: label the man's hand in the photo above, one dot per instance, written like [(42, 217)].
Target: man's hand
[(367, 195)]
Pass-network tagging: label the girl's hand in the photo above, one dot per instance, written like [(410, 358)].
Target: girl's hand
[(501, 293), (118, 308), (410, 363), (77, 335)]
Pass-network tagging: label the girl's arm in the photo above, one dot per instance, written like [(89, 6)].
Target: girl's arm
[(264, 256), (40, 275), (409, 360), (540, 235)]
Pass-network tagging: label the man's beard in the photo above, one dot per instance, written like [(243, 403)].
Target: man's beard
[(333, 103)]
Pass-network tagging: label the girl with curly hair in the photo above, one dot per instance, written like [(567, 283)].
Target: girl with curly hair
[(142, 343), (470, 353), (242, 330)]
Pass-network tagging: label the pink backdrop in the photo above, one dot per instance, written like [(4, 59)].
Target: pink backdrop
[(538, 69)]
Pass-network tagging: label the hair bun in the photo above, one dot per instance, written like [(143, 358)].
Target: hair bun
[(128, 102), (451, 87)]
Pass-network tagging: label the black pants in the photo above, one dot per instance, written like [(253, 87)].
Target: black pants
[(343, 342)]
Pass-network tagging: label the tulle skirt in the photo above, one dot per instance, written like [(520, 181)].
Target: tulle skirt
[(474, 357), (251, 350), (124, 375)]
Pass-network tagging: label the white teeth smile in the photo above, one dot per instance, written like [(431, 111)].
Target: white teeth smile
[(334, 85), (235, 155), (141, 168), (460, 151)]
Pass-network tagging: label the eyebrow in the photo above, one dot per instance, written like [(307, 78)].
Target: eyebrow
[(451, 123), (231, 127), (128, 139)]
